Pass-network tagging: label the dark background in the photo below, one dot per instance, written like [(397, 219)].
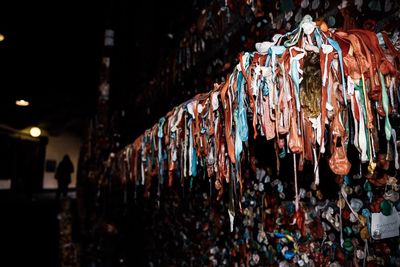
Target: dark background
[(52, 51)]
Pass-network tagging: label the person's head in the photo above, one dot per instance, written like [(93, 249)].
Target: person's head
[(66, 157)]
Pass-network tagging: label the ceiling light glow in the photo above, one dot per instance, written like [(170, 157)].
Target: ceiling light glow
[(35, 132), (22, 103)]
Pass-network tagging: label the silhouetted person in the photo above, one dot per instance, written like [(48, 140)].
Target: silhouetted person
[(63, 175)]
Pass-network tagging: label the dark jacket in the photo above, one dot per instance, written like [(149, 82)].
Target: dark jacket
[(64, 170)]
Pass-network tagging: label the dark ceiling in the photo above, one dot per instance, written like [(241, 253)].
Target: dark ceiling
[(52, 51)]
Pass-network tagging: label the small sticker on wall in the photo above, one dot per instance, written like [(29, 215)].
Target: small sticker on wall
[(385, 226), (50, 165)]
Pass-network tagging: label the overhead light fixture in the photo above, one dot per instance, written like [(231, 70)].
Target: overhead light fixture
[(2, 37), (35, 132), (22, 103)]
